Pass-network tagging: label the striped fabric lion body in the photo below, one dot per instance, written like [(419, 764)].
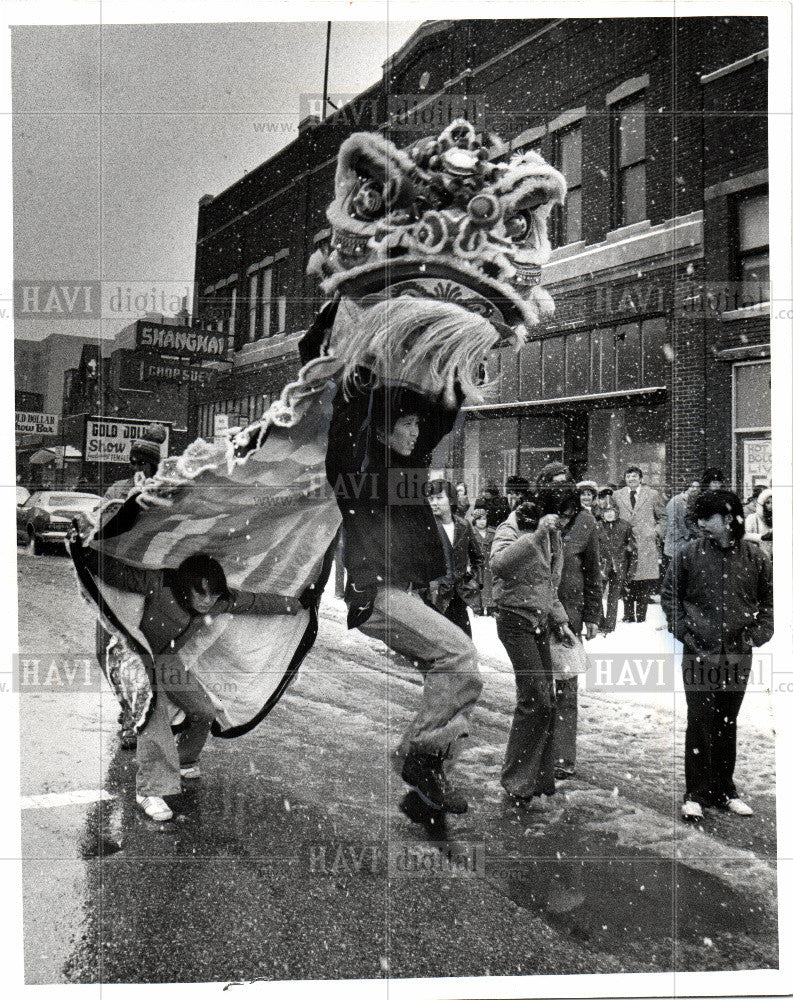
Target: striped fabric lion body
[(271, 522)]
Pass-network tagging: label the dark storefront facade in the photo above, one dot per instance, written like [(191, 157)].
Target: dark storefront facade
[(658, 352)]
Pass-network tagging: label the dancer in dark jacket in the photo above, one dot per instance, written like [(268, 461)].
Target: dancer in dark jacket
[(175, 603), (379, 448)]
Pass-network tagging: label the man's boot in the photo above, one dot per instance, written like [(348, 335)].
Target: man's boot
[(424, 773)]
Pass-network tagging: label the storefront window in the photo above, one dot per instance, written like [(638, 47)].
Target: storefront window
[(508, 375), (655, 346), (253, 305), (553, 367), (628, 356), (603, 360), (531, 371), (498, 448), (578, 364), (626, 436), (752, 425), (752, 383), (541, 441)]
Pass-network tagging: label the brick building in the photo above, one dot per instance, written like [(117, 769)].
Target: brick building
[(660, 272)]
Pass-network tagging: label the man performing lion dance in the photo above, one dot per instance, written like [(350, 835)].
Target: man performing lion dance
[(434, 262)]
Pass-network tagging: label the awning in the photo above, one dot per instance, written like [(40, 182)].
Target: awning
[(57, 453)]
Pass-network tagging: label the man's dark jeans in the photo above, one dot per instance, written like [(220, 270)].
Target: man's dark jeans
[(715, 686), (529, 761)]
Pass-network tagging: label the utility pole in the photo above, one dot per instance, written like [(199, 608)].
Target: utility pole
[(325, 81)]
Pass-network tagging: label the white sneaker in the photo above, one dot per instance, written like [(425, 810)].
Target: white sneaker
[(191, 772), (155, 807), (739, 807), (692, 811)]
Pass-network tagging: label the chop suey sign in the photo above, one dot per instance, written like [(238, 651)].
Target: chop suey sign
[(181, 341)]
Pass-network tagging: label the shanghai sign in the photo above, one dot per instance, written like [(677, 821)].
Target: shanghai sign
[(181, 341)]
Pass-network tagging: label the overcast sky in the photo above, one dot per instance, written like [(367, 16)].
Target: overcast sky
[(144, 119)]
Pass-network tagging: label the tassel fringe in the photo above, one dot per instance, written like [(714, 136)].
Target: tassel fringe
[(426, 342)]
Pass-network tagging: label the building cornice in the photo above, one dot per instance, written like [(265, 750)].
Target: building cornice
[(762, 55), (624, 247)]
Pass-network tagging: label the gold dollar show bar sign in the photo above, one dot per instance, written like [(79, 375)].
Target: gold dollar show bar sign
[(35, 423), (111, 440)]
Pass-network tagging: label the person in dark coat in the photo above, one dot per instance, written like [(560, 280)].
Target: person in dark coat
[(760, 525), (463, 500), (711, 479), (517, 489), (581, 594), (718, 600), (461, 585), (617, 556), (497, 505), (380, 443), (486, 604)]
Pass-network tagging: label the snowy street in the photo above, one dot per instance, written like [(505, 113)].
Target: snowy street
[(299, 822)]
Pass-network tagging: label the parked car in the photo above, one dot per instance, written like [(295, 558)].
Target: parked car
[(45, 517)]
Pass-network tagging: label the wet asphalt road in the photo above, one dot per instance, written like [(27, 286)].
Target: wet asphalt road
[(291, 859)]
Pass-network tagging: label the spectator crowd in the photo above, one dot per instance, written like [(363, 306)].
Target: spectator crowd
[(553, 560)]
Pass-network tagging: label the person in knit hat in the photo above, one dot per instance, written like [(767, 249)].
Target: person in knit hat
[(483, 531), (146, 450), (587, 491), (144, 458)]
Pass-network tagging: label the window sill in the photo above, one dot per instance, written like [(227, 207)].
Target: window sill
[(566, 249), (267, 347), (746, 312), (624, 232)]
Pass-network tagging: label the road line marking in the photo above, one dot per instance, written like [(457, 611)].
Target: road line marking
[(51, 799)]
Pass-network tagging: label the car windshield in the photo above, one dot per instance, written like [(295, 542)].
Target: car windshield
[(79, 501)]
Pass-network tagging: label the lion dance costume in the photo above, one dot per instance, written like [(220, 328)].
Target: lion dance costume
[(433, 262)]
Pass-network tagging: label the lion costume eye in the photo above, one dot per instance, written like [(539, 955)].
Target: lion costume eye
[(518, 227), (367, 202)]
